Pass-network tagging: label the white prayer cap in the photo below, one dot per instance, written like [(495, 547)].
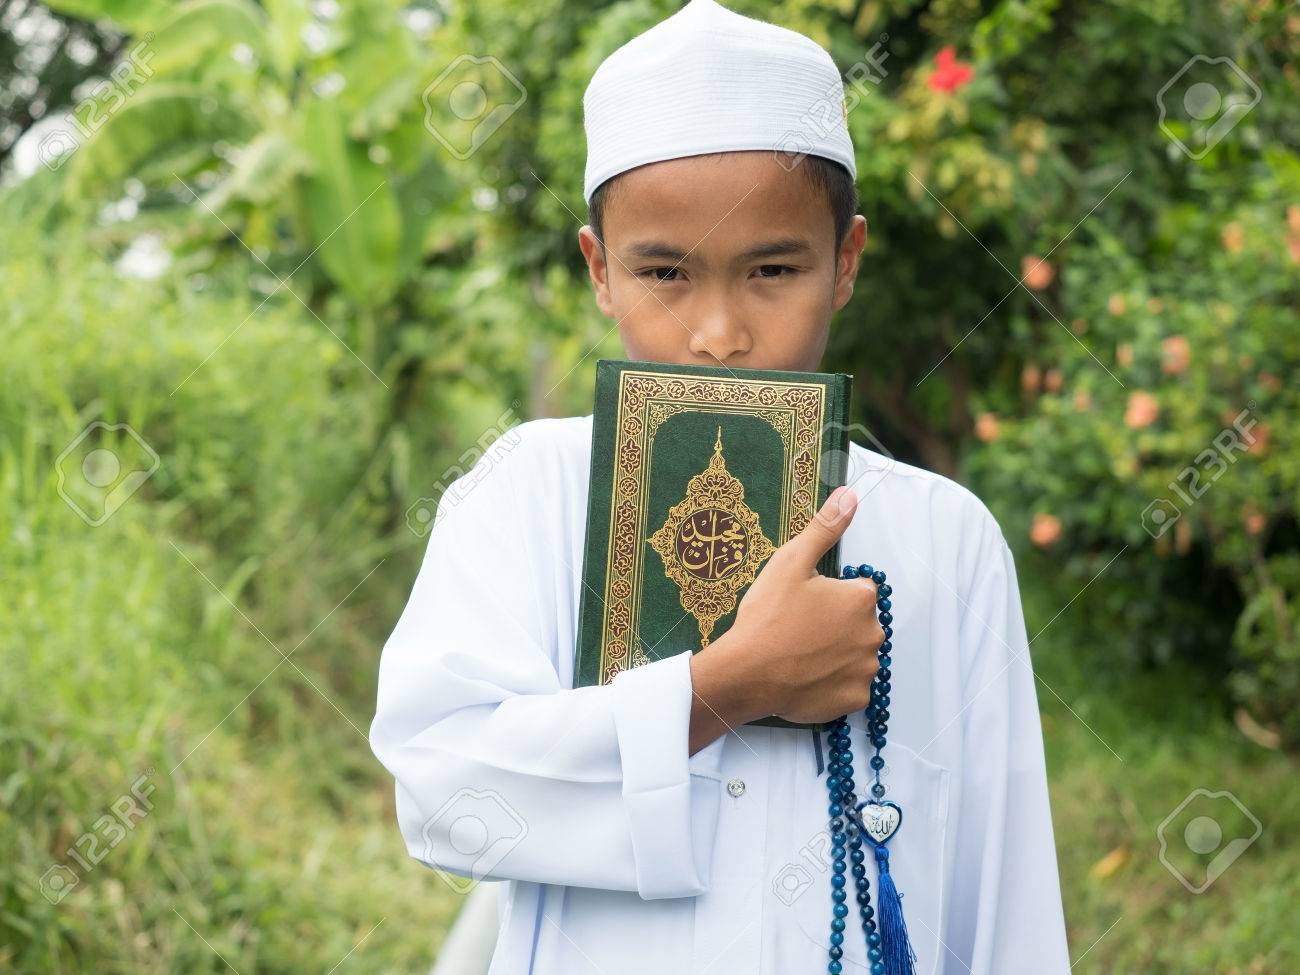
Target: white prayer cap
[(709, 80)]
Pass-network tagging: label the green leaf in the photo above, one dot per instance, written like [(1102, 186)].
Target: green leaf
[(262, 172), (132, 14), (161, 119), (351, 209), (200, 30)]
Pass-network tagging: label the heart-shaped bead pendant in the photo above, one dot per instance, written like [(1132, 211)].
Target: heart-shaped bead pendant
[(879, 820)]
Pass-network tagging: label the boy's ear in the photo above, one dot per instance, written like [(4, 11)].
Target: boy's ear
[(848, 260), (597, 268)]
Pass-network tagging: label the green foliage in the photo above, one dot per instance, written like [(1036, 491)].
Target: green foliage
[(361, 279), (149, 650), (1165, 429)]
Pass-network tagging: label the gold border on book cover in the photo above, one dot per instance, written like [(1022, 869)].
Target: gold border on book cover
[(645, 400)]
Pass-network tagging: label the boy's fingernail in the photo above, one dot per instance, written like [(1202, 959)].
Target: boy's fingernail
[(845, 500), (832, 506)]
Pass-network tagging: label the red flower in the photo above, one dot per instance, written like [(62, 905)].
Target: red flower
[(949, 74)]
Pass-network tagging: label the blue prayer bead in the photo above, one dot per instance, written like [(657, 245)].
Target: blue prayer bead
[(849, 572), (886, 590), (837, 939), (878, 968), (884, 673), (884, 652), (838, 895), (884, 605), (848, 784), (840, 911), (835, 809), (878, 790), (878, 577), (864, 898), (877, 762), (878, 741), (886, 618), (834, 968), (859, 870), (873, 940), (875, 954), (866, 570), (837, 924), (884, 714), (889, 631), (839, 865), (857, 856), (833, 782), (837, 880)]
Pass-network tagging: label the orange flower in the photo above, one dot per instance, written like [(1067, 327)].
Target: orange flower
[(1036, 272), (1233, 237), (1083, 401), (1053, 381), (986, 427), (1116, 304), (1293, 217), (1260, 444), (1176, 354), (1254, 519), (1143, 408), (1046, 530), (1078, 326), (1031, 377), (1293, 247), (1124, 354)]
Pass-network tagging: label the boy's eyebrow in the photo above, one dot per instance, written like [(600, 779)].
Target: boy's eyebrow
[(654, 250), (781, 247)]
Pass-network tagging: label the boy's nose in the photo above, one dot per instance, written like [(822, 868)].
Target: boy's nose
[(719, 333)]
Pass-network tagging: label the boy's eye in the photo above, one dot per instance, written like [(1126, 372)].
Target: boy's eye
[(660, 273), (774, 270)]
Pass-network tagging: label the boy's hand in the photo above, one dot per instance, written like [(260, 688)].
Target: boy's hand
[(803, 646)]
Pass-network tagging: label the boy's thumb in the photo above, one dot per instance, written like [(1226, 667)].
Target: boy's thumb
[(825, 528)]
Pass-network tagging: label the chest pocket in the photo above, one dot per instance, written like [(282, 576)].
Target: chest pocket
[(917, 854)]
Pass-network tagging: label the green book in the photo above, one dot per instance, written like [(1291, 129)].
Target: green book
[(698, 474)]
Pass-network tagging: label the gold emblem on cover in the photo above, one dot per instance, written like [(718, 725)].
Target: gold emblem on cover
[(712, 544)]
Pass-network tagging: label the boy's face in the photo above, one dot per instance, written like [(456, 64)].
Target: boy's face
[(722, 260)]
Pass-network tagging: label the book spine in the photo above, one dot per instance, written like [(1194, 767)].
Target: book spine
[(600, 481)]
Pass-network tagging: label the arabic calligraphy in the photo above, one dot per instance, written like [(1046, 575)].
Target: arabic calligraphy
[(712, 543)]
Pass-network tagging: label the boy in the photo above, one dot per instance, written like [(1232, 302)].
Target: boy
[(643, 826)]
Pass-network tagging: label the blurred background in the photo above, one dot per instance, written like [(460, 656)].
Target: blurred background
[(274, 274)]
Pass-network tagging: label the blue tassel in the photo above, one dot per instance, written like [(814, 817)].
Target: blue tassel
[(894, 944)]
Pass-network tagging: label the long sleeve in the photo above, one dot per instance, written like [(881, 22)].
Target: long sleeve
[(1006, 914), (502, 772)]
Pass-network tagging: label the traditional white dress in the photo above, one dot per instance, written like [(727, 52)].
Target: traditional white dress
[(622, 854)]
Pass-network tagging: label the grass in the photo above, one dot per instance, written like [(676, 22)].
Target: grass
[(1124, 749)]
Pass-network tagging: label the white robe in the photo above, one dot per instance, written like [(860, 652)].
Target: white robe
[(624, 855)]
